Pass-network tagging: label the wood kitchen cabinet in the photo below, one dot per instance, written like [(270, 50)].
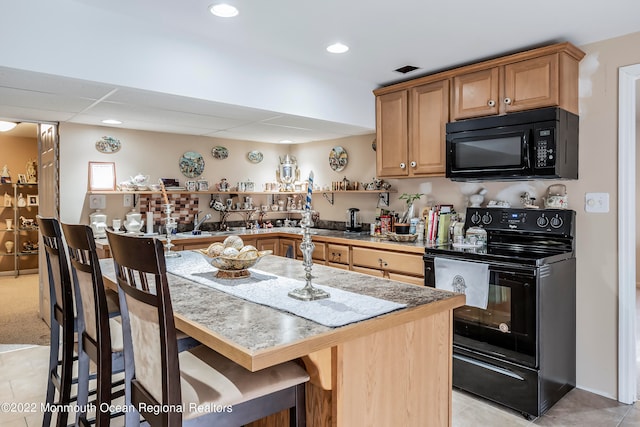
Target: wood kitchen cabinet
[(543, 81), (410, 131), (271, 244), (403, 267), (338, 256), (411, 115), (319, 254)]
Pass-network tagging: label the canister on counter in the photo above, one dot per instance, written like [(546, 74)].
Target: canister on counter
[(385, 224)]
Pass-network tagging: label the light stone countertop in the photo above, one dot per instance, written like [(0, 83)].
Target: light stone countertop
[(336, 236), (243, 330)]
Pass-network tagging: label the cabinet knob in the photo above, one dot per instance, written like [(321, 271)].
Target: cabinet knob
[(507, 101), (413, 164), (403, 165), (382, 262), (491, 103)]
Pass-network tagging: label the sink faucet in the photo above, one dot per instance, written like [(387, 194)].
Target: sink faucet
[(198, 222)]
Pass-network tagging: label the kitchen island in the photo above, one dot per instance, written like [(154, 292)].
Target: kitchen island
[(393, 369)]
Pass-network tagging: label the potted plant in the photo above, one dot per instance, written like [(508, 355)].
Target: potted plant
[(409, 212)]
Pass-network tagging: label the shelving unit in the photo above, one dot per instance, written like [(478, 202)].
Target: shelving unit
[(383, 195), (23, 233)]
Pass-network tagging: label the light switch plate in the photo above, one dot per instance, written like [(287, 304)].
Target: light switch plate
[(596, 202), (97, 201)]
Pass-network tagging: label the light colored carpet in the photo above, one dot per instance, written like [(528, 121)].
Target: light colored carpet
[(20, 321)]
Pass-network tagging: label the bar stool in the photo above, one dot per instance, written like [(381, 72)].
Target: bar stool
[(61, 354), (195, 379), (99, 334)]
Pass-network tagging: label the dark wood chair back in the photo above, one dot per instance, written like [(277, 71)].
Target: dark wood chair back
[(63, 321), (148, 325), (94, 324)]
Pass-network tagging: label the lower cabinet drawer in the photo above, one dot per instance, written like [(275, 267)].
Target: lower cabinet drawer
[(412, 280), (336, 265), (405, 263), (319, 251), (337, 254)]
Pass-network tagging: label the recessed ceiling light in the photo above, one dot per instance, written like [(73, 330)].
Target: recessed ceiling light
[(223, 10), (7, 126), (286, 141), (111, 122), (337, 48)]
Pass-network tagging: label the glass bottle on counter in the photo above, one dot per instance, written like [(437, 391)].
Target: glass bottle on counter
[(420, 230)]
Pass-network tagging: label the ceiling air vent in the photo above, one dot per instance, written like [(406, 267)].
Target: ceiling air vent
[(406, 69)]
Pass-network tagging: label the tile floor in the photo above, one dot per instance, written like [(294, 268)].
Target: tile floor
[(23, 373)]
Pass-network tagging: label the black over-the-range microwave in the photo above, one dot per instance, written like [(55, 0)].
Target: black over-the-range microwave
[(535, 144)]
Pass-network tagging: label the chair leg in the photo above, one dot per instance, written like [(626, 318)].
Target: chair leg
[(53, 368), (83, 385), (66, 376), (298, 413)]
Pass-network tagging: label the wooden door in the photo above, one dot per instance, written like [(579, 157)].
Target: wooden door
[(532, 83), (392, 134), (429, 115), (476, 94), (48, 199), (268, 244)]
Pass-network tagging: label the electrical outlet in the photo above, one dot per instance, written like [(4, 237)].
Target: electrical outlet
[(596, 202), (128, 200)]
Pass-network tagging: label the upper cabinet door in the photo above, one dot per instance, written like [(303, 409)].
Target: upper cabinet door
[(392, 134), (476, 94), (429, 116), (532, 83)]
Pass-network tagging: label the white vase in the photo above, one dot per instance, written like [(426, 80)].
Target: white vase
[(98, 222), (22, 202), (9, 223), (9, 246), (133, 223)]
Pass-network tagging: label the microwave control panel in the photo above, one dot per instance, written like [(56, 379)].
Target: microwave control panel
[(544, 148)]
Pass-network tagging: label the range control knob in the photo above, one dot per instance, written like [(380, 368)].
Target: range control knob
[(556, 222), (542, 221), (475, 218), (486, 219)]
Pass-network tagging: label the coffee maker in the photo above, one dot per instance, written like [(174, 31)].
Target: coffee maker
[(353, 220)]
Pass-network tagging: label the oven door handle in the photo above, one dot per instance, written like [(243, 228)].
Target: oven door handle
[(494, 266), (488, 366)]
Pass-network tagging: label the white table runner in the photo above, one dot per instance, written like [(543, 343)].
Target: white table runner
[(268, 289)]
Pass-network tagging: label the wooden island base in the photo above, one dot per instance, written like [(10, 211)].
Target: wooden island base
[(396, 376)]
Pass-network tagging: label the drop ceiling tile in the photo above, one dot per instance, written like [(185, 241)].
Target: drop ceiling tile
[(129, 112), (192, 105), (46, 83), (42, 101)]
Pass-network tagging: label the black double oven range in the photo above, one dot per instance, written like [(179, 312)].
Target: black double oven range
[(520, 350)]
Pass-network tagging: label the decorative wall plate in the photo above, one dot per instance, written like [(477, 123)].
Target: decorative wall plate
[(108, 144), (338, 158), (191, 164), (219, 152), (255, 156)]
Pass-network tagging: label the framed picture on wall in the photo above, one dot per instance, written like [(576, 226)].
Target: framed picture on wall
[(102, 176)]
